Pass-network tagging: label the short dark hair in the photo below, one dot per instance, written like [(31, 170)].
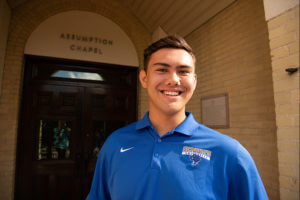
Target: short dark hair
[(172, 41)]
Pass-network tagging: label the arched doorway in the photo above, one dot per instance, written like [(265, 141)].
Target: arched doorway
[(71, 102)]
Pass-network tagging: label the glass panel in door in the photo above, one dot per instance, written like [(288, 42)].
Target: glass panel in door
[(53, 139)]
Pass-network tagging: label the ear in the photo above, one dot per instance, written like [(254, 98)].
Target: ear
[(195, 80), (143, 78)]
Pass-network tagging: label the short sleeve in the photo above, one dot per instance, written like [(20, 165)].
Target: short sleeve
[(245, 182)]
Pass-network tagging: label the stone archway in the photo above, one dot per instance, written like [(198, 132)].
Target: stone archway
[(25, 19)]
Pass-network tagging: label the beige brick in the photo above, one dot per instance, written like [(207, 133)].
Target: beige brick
[(280, 74), (279, 53), (288, 146), (294, 47), (281, 30), (292, 25), (288, 158), (284, 121), (289, 170), (287, 109), (285, 85), (295, 96), (288, 133), (296, 10), (283, 40), (252, 117), (287, 194), (296, 120), (6, 165), (291, 183), (290, 61), (283, 97), (278, 21)]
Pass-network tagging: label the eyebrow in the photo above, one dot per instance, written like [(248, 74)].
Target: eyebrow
[(162, 64), (167, 65)]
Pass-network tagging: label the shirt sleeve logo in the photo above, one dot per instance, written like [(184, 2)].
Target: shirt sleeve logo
[(196, 154)]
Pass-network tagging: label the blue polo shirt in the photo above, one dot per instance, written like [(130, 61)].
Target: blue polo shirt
[(190, 162)]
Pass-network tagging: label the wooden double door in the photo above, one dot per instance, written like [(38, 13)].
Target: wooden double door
[(64, 122)]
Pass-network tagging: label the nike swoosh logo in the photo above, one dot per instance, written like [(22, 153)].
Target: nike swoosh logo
[(123, 150)]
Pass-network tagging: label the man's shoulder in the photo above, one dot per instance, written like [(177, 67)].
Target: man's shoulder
[(123, 131), (118, 137), (123, 134), (204, 131), (215, 139), (224, 144)]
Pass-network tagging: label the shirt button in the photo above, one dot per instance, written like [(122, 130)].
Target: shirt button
[(156, 154), (158, 140)]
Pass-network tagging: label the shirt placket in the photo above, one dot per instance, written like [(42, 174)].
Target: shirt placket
[(156, 154)]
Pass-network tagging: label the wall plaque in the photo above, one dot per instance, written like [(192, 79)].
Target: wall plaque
[(215, 111)]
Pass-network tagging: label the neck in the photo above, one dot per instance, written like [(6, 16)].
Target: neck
[(164, 123)]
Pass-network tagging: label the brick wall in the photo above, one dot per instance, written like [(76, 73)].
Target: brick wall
[(284, 44), (234, 57), (25, 18), (4, 22)]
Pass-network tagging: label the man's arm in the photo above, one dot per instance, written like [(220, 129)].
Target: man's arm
[(245, 182)]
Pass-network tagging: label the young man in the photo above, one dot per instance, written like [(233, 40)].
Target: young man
[(168, 155)]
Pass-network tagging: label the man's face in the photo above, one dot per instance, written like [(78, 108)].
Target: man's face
[(170, 80)]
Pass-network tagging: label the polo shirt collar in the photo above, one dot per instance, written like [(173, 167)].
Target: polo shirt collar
[(187, 127), (143, 123)]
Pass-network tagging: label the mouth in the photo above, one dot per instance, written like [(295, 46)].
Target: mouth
[(171, 93)]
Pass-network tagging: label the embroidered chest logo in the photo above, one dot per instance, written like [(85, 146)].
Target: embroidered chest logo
[(196, 154)]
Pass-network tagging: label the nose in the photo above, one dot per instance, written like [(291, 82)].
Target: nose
[(173, 79)]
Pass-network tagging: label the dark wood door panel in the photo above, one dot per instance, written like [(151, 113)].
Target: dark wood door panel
[(54, 99), (111, 101)]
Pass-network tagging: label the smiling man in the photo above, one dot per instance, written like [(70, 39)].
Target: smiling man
[(168, 155)]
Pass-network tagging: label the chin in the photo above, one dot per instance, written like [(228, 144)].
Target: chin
[(174, 111)]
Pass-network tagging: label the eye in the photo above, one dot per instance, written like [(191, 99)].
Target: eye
[(183, 72), (162, 70)]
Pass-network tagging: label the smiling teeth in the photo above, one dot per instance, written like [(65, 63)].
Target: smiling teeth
[(171, 93)]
